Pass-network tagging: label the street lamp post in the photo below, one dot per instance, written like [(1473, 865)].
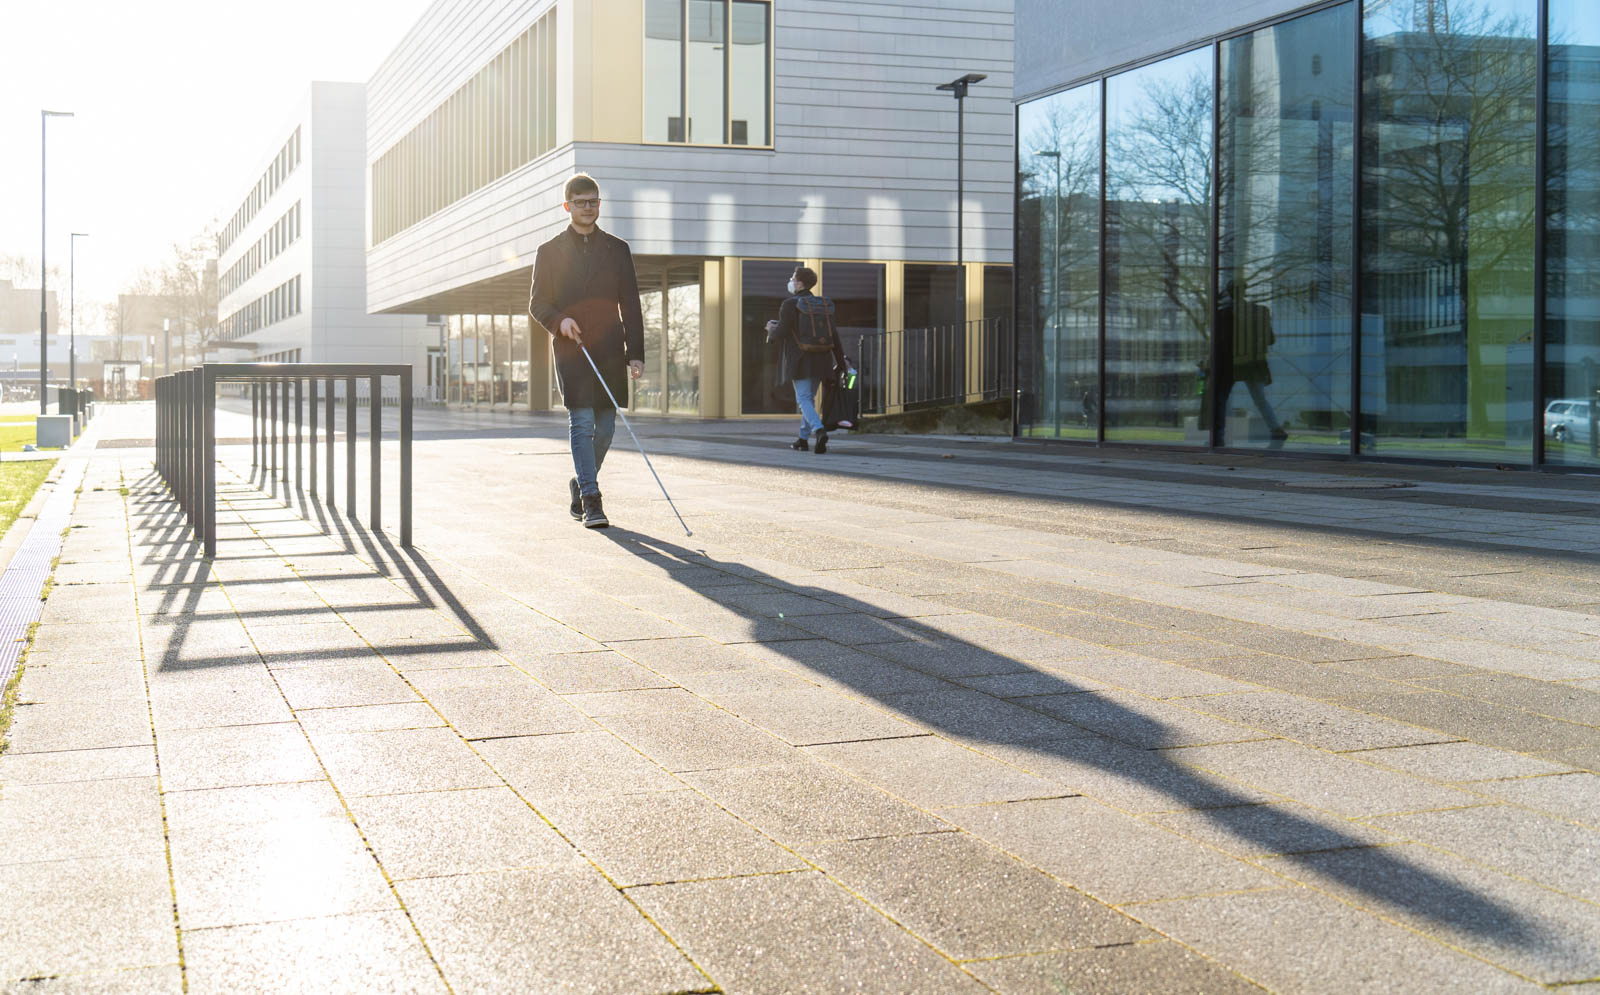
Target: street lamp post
[(958, 89), (72, 309), (44, 320)]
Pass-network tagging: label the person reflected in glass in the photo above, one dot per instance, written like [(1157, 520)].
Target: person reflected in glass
[(1244, 358), (809, 352)]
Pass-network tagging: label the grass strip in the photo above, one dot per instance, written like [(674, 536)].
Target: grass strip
[(18, 481)]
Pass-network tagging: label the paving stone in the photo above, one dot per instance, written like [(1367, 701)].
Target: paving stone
[(308, 642), (811, 715), (949, 658), (661, 836), (368, 952), (1457, 762), (233, 695), (542, 768), (71, 916), (400, 760), (145, 980), (1557, 854), (1155, 966), (1251, 831), (1279, 939), (1399, 668), (1557, 701), (1155, 678), (573, 933), (1111, 856), (704, 738), (101, 682), (287, 868), (87, 642), (1479, 721), (642, 702), (795, 932), (571, 673), (1028, 684), (970, 715), (338, 685), (436, 833), (77, 765), (969, 900), (482, 702), (49, 727), (809, 802), (80, 819), (1514, 924), (1122, 776), (1140, 721), (1311, 722), (933, 773), (843, 667), (1572, 796), (369, 718), (672, 658), (1321, 780), (1305, 646), (855, 628), (256, 804), (238, 755)]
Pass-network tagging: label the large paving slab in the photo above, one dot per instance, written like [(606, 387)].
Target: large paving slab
[(917, 715)]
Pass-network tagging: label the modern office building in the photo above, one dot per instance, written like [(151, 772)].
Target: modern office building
[(292, 253), (1368, 227), (732, 140)]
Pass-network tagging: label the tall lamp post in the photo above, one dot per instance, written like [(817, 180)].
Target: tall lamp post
[(72, 309), (958, 89), (44, 321)]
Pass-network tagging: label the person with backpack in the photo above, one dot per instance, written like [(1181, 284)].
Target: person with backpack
[(810, 352)]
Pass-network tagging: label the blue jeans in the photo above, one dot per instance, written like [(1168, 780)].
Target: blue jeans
[(805, 393), (590, 431)]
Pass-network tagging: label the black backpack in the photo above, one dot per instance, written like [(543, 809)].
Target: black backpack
[(813, 326)]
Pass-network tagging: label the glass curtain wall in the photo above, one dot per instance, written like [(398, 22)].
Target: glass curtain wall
[(1286, 208), (1158, 250), (708, 38), (860, 312), (663, 65), (748, 58), (646, 390), (682, 339), (1058, 265), (1571, 402), (1448, 138), (520, 359)]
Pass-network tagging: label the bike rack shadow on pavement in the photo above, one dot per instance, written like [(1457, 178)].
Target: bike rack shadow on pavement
[(186, 437)]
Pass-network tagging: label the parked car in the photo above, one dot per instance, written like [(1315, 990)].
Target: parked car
[(1567, 420)]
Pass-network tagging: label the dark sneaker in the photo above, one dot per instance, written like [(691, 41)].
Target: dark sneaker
[(800, 445), (822, 442), (594, 516), (576, 510)]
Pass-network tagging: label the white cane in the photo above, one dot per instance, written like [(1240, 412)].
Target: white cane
[(629, 427)]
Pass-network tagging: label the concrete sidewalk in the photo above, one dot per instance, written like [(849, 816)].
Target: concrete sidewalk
[(915, 716)]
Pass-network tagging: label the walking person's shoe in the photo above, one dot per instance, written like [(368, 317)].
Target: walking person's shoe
[(822, 443), (576, 509), (800, 445), (594, 516)]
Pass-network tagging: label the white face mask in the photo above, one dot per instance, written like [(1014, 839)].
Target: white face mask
[(794, 288)]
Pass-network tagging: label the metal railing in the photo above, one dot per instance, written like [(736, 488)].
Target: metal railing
[(186, 438), (936, 366)]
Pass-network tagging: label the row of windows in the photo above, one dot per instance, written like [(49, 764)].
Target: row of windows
[(282, 301), (283, 164), (708, 71), (502, 118), (280, 236)]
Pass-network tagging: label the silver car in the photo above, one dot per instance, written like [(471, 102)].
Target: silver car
[(1567, 421)]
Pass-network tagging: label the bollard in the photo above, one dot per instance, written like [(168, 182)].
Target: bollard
[(350, 448), (311, 392), (374, 483), (299, 471), (332, 502)]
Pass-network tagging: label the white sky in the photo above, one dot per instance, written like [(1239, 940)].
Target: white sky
[(176, 102)]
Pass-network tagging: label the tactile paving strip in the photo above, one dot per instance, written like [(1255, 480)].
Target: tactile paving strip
[(20, 585)]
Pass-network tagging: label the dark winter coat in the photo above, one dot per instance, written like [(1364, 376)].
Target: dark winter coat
[(590, 279), (795, 363)]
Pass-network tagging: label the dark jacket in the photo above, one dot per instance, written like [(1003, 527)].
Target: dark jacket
[(795, 363), (589, 279)]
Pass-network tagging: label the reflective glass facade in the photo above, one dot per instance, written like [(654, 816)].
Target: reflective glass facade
[(1369, 229)]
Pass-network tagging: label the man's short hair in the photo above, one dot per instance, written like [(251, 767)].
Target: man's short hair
[(580, 183), (805, 276)]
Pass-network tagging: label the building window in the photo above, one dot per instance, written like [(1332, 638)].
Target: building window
[(1448, 228), (708, 72), (762, 289)]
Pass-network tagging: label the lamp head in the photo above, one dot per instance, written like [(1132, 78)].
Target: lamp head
[(958, 87)]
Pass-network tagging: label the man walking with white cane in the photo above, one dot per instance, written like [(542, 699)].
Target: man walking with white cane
[(586, 295)]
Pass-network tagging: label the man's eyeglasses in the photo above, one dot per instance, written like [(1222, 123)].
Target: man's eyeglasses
[(587, 203)]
